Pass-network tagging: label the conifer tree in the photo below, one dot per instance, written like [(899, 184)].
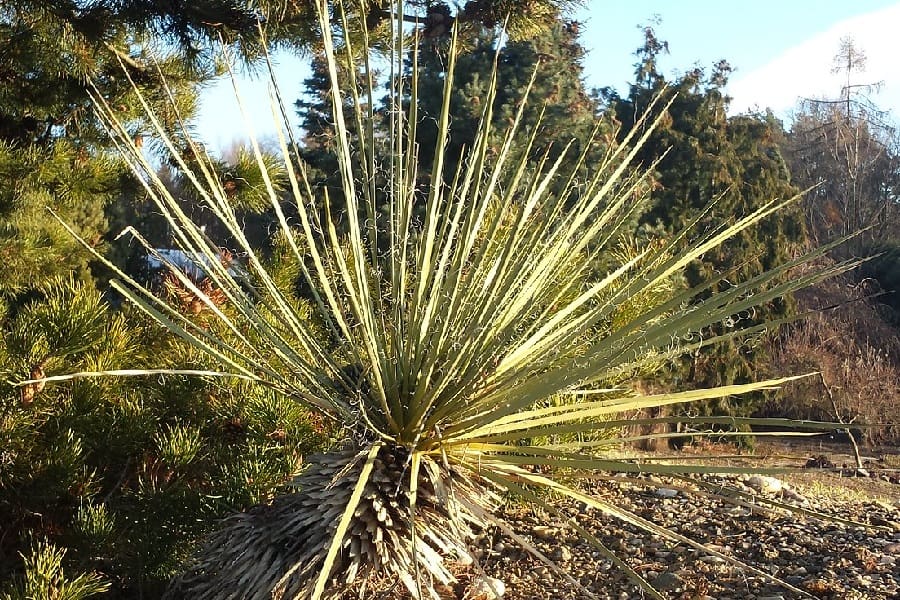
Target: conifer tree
[(56, 54), (51, 145), (115, 480), (317, 126), (520, 18), (103, 484), (561, 110), (714, 169), (565, 115)]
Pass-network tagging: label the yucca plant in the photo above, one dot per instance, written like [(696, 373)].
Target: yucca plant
[(448, 315)]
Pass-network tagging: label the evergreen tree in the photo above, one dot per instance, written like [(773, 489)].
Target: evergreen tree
[(560, 110), (117, 479), (566, 110), (49, 140), (54, 56), (101, 477), (551, 45), (316, 114), (50, 144), (521, 18), (714, 169)]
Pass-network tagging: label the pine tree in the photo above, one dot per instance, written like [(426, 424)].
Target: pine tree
[(119, 478), (49, 140), (567, 111), (102, 484), (560, 110), (56, 55), (317, 126), (51, 145), (520, 18)]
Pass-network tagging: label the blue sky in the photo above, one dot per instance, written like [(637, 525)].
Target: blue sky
[(781, 50), (747, 34)]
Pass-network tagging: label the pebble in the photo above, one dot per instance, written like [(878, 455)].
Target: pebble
[(765, 485), (666, 582), (826, 558), (712, 560), (562, 554), (488, 588), (543, 532)]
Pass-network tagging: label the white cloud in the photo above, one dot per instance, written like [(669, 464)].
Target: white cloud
[(804, 71)]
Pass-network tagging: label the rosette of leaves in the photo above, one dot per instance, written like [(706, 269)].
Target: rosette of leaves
[(449, 315)]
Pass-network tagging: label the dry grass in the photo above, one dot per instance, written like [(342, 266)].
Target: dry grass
[(830, 484), (833, 488)]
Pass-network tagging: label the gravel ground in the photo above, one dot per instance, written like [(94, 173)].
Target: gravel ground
[(824, 558)]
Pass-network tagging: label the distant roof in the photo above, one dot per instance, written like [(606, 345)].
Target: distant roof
[(192, 264)]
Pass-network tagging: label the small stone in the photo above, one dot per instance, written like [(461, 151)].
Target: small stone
[(543, 532), (765, 485), (666, 492), (488, 588), (668, 582), (892, 548), (790, 494), (562, 554)]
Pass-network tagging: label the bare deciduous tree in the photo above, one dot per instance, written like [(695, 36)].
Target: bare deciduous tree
[(847, 148)]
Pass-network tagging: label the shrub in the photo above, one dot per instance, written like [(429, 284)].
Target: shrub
[(125, 475), (857, 355)]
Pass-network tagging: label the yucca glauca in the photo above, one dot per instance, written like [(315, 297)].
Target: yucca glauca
[(448, 312)]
